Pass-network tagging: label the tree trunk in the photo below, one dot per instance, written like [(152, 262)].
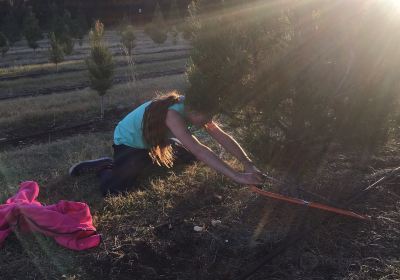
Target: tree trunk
[(102, 107)]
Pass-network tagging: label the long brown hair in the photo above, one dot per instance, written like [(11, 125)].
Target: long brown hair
[(155, 129)]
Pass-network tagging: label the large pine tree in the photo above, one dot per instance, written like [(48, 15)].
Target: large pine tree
[(298, 78)]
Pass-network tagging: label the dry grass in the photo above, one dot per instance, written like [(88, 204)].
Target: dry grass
[(75, 78), (25, 69), (126, 222), (44, 163), (148, 232), (44, 111), (79, 64)]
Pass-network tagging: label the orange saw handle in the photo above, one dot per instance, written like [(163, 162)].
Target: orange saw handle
[(307, 203)]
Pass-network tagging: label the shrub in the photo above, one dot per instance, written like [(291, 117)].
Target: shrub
[(157, 34)]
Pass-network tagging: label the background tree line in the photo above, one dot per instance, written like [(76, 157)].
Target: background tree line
[(23, 20), (109, 12), (69, 20)]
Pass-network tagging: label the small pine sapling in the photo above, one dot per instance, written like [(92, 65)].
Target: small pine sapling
[(128, 39), (4, 46), (157, 30), (100, 64), (56, 51)]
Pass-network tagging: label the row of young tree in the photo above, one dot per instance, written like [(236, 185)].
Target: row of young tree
[(100, 61), (66, 29), (298, 77)]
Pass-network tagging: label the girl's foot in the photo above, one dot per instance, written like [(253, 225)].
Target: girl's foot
[(89, 166)]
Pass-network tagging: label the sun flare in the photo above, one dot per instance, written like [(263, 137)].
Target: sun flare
[(393, 4)]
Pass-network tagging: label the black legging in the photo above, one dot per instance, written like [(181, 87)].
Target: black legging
[(130, 162)]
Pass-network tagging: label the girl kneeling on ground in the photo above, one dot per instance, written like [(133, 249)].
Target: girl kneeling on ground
[(156, 135)]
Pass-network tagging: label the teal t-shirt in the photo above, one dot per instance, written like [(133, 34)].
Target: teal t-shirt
[(129, 131)]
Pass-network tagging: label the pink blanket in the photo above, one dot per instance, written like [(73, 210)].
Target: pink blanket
[(69, 223)]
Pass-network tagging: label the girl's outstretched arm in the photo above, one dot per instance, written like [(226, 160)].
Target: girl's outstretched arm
[(178, 127), (230, 144)]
